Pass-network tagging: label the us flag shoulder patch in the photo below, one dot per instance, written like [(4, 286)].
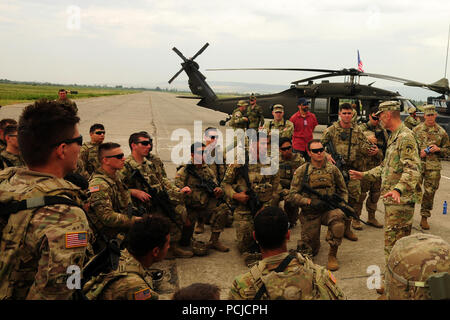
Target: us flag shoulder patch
[(143, 294), (94, 189), (76, 239)]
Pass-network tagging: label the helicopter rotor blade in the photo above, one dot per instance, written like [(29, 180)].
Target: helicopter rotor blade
[(176, 75), (180, 54), (276, 69), (200, 51), (319, 77)]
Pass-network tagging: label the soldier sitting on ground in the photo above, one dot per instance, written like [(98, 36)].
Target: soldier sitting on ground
[(282, 275), (10, 157), (3, 124), (198, 291), (148, 241), (89, 150)]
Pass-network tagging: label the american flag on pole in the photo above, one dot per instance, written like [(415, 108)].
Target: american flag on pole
[(360, 64), (76, 239)]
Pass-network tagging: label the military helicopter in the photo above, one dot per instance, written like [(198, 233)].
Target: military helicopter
[(325, 97)]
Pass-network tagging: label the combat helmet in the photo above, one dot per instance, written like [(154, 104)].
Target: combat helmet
[(199, 248), (418, 268)]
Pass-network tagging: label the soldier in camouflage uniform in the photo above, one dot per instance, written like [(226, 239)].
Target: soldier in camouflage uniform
[(266, 187), (89, 150), (289, 162), (340, 133), (413, 262), (200, 203), (3, 124), (215, 159), (412, 120), (148, 242), (111, 210), (254, 114), (326, 179), (372, 129), (62, 98), (285, 127), (433, 144), (140, 144), (239, 118), (298, 279), (39, 243), (10, 157), (400, 175)]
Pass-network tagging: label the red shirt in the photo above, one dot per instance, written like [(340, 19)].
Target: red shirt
[(303, 129)]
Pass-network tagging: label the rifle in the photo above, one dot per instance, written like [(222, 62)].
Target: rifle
[(333, 202), (160, 199), (223, 122), (340, 161), (253, 202), (207, 184)]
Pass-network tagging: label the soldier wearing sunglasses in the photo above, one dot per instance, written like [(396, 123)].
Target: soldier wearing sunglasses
[(140, 144), (289, 162), (371, 129), (89, 150), (10, 157), (352, 145), (326, 179)]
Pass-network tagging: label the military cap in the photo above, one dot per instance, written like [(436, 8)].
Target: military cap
[(412, 110), (429, 109), (278, 107), (388, 106), (242, 103), (252, 96), (303, 101)]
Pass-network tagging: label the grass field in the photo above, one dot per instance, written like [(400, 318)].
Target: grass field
[(18, 93)]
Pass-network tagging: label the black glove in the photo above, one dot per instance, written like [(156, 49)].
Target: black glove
[(318, 205)]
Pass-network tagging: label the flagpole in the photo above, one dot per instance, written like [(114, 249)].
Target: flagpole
[(446, 59)]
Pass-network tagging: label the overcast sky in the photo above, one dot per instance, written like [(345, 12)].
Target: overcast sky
[(129, 43)]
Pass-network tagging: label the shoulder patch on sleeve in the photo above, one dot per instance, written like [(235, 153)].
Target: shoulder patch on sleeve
[(76, 239), (143, 294), (331, 276), (94, 188)]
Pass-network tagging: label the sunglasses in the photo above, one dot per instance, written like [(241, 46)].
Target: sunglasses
[(145, 143), (375, 118), (346, 113), (99, 132), (117, 156), (286, 148), (78, 140), (317, 150), (212, 137)]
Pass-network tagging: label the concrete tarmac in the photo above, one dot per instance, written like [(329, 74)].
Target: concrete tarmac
[(161, 114)]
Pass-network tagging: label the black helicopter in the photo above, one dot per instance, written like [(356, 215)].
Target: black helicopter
[(325, 97)]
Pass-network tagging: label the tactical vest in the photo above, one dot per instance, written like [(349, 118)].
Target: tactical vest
[(94, 288), (18, 265)]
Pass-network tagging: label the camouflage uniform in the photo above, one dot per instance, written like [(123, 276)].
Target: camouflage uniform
[(325, 180), (301, 280), (369, 163), (89, 156), (110, 205), (359, 148), (152, 173), (158, 164), (400, 170), (130, 281), (199, 204), (266, 188), (431, 165), (411, 123), (11, 160), (237, 119), (285, 127), (255, 117), (69, 102), (414, 259), (2, 145), (286, 170), (36, 244)]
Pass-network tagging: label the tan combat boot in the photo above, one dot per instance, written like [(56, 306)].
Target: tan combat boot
[(332, 264), (176, 252), (356, 224), (424, 224), (372, 221), (215, 243), (200, 227), (348, 233)]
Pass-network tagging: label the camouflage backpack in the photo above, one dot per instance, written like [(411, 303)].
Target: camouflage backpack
[(17, 208), (307, 281)]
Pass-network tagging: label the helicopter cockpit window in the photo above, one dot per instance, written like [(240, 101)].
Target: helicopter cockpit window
[(320, 105)]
